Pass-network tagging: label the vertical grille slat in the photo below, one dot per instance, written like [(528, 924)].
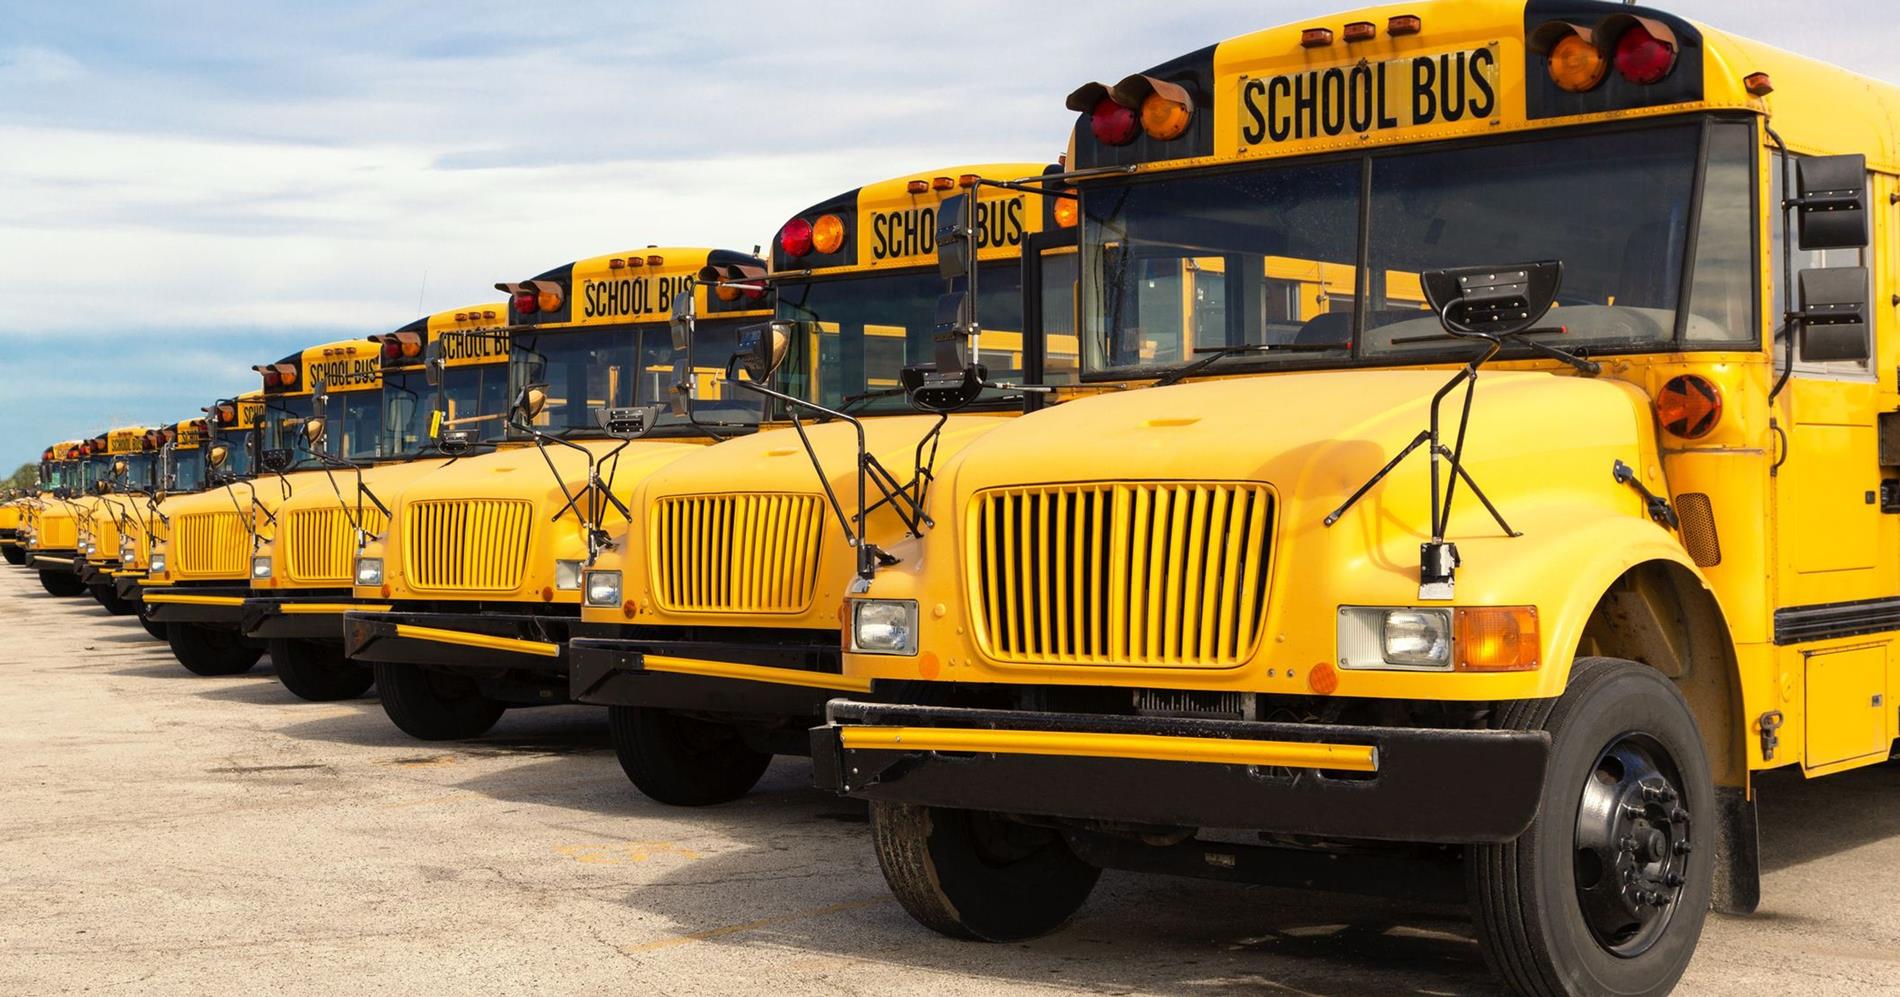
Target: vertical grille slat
[(735, 553), (1133, 573), (466, 545)]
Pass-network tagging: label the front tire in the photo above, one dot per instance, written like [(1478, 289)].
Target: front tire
[(208, 651), (1608, 889), (14, 555), (318, 672), (108, 597), (434, 706), (153, 627), (683, 761), (978, 876), (62, 585)]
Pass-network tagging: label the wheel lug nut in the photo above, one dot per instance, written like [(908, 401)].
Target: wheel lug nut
[(1675, 879), (1682, 847), (1652, 793), (1628, 844), (1678, 816)]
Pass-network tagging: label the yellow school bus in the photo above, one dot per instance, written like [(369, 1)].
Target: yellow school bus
[(13, 540), (713, 619), (481, 561), (118, 511), (61, 527), (1518, 590), (47, 524), (195, 585), (181, 471), (441, 387)]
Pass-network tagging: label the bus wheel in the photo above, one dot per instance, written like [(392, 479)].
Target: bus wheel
[(153, 627), (318, 672), (1608, 889), (434, 706), (106, 596), (979, 876), (14, 555), (683, 761), (61, 585), (207, 651)]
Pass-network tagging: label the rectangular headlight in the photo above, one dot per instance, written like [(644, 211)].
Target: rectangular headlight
[(369, 571), (1402, 639), (567, 575), (603, 588), (128, 551), (158, 564), (260, 568), (884, 626)]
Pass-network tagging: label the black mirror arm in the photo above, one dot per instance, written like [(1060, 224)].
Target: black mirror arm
[(1787, 260), (793, 404)]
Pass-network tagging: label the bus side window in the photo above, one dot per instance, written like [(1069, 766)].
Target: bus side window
[(1722, 291), (1815, 259)]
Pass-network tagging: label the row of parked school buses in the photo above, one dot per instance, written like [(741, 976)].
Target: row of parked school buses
[(1445, 447)]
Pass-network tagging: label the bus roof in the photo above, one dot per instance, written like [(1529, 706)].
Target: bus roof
[(637, 285), (893, 223), (456, 329), (1463, 68)]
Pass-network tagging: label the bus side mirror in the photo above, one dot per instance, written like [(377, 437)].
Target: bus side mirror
[(313, 431), (1831, 202), (682, 321), (433, 364), (529, 404), (681, 388), (954, 253), (1833, 318)]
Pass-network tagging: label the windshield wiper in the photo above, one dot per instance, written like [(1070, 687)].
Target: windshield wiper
[(1575, 360), (852, 400), (1215, 354)]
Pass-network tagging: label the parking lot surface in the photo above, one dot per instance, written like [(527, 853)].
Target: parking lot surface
[(162, 833)]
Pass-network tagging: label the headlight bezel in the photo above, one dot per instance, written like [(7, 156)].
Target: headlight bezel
[(567, 575), (905, 624), (591, 579), (261, 568), (369, 571), (158, 562), (1364, 633)]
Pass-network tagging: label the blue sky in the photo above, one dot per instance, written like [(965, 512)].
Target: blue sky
[(189, 189)]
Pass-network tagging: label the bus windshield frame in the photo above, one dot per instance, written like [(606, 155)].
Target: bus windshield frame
[(553, 357), (1329, 221), (470, 397)]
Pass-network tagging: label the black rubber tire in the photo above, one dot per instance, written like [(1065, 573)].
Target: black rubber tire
[(683, 761), (1530, 925), (61, 584), (318, 672), (153, 627), (108, 597), (210, 651), (434, 706), (939, 868), (14, 555)]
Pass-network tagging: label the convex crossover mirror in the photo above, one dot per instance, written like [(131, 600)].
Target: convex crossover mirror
[(762, 349)]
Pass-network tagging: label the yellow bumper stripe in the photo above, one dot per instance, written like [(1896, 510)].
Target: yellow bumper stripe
[(437, 636), (127, 574), (181, 599), (755, 673), (1154, 747), (322, 608)]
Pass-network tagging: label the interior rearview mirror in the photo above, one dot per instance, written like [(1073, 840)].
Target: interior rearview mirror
[(1493, 301), (954, 253), (1831, 202), (1833, 323)]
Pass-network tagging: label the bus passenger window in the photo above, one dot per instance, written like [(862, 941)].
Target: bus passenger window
[(1811, 260)]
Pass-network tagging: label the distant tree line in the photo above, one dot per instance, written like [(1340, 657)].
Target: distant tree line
[(26, 477)]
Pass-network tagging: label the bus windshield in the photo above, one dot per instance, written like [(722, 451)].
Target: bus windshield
[(139, 471), (284, 420), (862, 330), (1273, 255), (584, 372), (188, 470), (237, 456), (355, 425), (473, 398)]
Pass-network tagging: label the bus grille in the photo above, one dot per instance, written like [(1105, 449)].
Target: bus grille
[(466, 545), (211, 545), (320, 545), (1147, 574), (736, 553), (56, 531)]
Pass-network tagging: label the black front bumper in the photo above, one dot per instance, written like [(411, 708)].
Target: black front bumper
[(95, 572), (215, 605), (129, 588), (271, 617), (1441, 786), (477, 643), (789, 678), (60, 561)]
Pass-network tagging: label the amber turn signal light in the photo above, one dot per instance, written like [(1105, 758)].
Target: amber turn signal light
[(1689, 406), (1497, 639), (827, 234)]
